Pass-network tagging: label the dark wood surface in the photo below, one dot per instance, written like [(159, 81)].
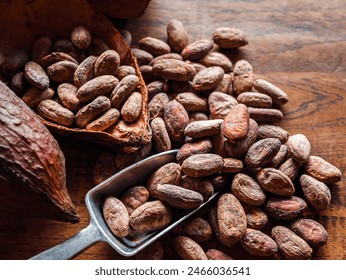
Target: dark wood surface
[(297, 45)]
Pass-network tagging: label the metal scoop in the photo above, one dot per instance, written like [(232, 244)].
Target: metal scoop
[(98, 230)]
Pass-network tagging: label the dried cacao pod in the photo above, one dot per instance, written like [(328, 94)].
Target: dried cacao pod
[(32, 173)]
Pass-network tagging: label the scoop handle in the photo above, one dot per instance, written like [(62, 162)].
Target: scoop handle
[(72, 246)]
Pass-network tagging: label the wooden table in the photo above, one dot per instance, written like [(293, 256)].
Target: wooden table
[(297, 45)]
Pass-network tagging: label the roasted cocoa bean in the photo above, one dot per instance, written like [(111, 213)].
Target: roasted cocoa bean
[(299, 147), (201, 165), (160, 136), (285, 208), (278, 95), (229, 38), (53, 111), (262, 152), (275, 181), (322, 170), (116, 216), (208, 78)]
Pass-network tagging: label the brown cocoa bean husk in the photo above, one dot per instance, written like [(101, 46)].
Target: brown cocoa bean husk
[(33, 96), (272, 131), (278, 95), (197, 49), (188, 249), (31, 185), (92, 110), (177, 36), (154, 46), (275, 181), (208, 78), (107, 63), (243, 79), (81, 37), (176, 119), (160, 136), (255, 99), (192, 102), (231, 219), (235, 126), (197, 147), (290, 245), (229, 38), (116, 216), (67, 96), (217, 59), (240, 148), (200, 185), (247, 190), (35, 75), (177, 196), (151, 216), (322, 170), (123, 90), (299, 147), (201, 165), (285, 208), (258, 243), (316, 193), (262, 152), (174, 69), (311, 231), (53, 111), (265, 115), (201, 129), (220, 104)]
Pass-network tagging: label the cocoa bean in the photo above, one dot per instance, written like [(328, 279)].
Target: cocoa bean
[(104, 121), (262, 152), (160, 136), (217, 59), (214, 254), (256, 217), (197, 49), (53, 111), (67, 96), (272, 131), (55, 57), (255, 99), (247, 190), (236, 124), (154, 46), (201, 165), (208, 78), (143, 57), (134, 197), (81, 37), (265, 115), (258, 243), (192, 102), (278, 95), (275, 181), (33, 96), (232, 165), (176, 35), (243, 79), (322, 170), (125, 70), (200, 185), (188, 249), (290, 245), (35, 75), (107, 63), (201, 129), (174, 69), (116, 216), (227, 37), (231, 219), (123, 90), (132, 108), (41, 48), (189, 149), (311, 231), (290, 167), (316, 193), (285, 208), (220, 104), (299, 147), (84, 71)]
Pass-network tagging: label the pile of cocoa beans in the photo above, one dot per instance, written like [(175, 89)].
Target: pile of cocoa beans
[(225, 123), (75, 82)]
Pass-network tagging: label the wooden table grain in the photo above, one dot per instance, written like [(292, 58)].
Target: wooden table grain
[(297, 45)]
